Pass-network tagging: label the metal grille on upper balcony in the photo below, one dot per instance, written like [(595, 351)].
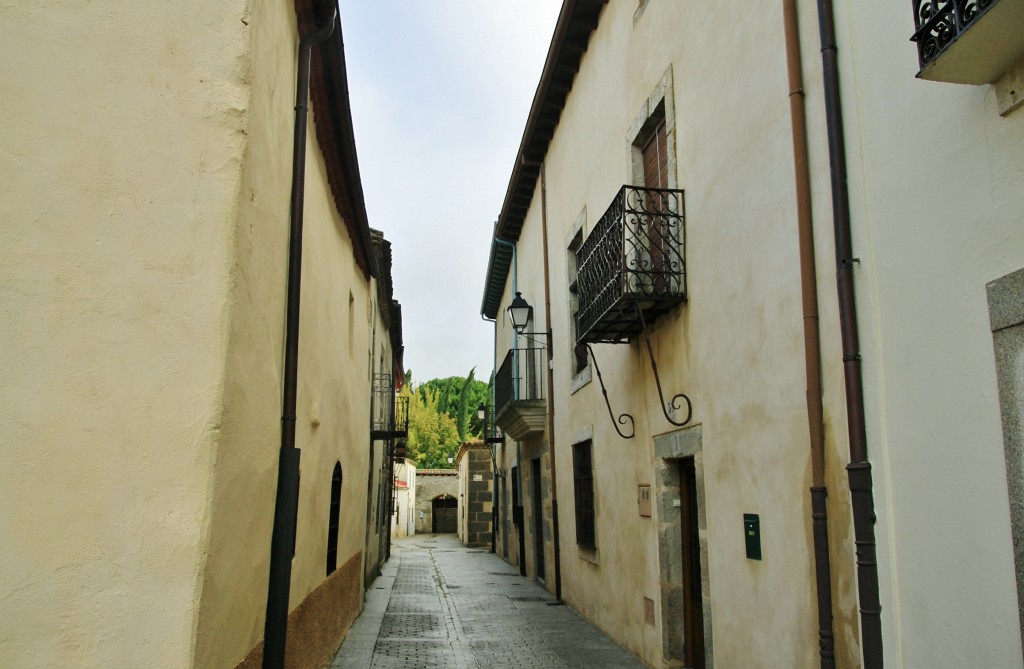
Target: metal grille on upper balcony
[(634, 256), (389, 415), (968, 41), (519, 393)]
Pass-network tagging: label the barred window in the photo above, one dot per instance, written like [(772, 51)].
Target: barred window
[(583, 483)]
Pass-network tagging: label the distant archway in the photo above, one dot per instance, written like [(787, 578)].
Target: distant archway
[(445, 514)]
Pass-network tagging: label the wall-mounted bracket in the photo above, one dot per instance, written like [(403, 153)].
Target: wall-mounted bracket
[(669, 409), (665, 406), (623, 418)]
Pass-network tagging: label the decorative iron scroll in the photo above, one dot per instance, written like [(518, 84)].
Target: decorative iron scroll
[(665, 406), (623, 418), (938, 23), (635, 252)]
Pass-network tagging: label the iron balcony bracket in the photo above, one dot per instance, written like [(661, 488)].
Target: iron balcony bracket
[(665, 406), (623, 418)]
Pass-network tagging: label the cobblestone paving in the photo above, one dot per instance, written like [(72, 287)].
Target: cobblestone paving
[(440, 605)]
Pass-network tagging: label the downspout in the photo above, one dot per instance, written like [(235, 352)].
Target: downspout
[(282, 546), (551, 381), (859, 469), (494, 447), (391, 459), (517, 510), (812, 348)]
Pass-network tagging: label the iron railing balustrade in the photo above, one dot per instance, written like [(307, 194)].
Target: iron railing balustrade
[(634, 256), (520, 377), (389, 414), (939, 23)]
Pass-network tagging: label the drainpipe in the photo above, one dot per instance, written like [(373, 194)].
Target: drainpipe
[(859, 469), (519, 469), (494, 447), (390, 450), (282, 546), (812, 349), (551, 382)]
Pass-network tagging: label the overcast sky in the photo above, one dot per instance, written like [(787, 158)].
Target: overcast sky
[(440, 92)]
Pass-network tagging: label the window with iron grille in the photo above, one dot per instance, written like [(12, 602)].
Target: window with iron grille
[(583, 484), (579, 357)]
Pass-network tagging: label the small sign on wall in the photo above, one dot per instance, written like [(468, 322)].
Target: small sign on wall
[(644, 500), (478, 477)]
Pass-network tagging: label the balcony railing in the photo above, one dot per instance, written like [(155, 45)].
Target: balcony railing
[(520, 408), (634, 258), (967, 41), (520, 377), (389, 415)]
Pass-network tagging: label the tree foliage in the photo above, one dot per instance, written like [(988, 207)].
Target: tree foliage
[(442, 415), (459, 397)]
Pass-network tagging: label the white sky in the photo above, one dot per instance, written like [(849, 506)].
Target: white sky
[(440, 92)]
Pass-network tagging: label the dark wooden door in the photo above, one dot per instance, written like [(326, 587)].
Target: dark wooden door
[(693, 604), (446, 515), (538, 520)]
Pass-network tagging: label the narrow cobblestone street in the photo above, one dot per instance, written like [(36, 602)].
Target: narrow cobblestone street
[(439, 604)]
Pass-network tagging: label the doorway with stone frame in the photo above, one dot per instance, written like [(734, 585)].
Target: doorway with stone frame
[(683, 549)]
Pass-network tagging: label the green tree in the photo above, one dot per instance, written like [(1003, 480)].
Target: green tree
[(459, 397), (433, 435)]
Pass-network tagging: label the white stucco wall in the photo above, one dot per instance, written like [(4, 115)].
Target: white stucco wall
[(937, 196), (937, 190)]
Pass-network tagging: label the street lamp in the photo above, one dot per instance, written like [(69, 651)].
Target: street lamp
[(519, 312)]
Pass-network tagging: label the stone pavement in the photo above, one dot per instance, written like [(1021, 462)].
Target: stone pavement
[(441, 605)]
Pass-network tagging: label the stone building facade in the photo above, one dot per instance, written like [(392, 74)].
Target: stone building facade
[(434, 487), (476, 493)]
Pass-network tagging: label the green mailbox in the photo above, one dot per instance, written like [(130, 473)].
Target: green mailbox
[(752, 535)]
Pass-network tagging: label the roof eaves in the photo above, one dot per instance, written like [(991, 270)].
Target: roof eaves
[(576, 21), (329, 96)]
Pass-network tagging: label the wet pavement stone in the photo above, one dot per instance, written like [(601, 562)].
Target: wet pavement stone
[(440, 605)]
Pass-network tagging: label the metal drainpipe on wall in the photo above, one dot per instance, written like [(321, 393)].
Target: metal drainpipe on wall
[(494, 447), (551, 383), (811, 336), (282, 546), (519, 469), (859, 469)]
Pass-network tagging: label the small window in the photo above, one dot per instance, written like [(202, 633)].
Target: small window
[(583, 484), (332, 523), (579, 358), (654, 155)]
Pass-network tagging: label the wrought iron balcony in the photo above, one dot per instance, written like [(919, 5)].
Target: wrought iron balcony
[(633, 259), (521, 411), (968, 41), (389, 415)]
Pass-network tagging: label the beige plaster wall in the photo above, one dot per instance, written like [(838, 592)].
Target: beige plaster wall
[(937, 195), (378, 362), (122, 132), (146, 193), (334, 374)]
